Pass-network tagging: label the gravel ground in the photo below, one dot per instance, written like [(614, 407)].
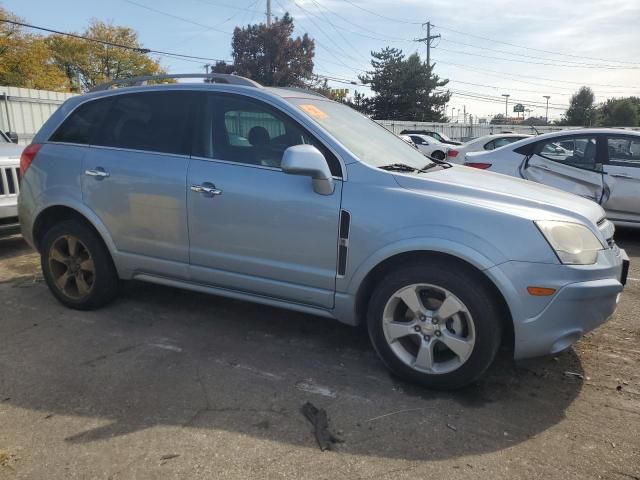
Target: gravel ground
[(172, 384)]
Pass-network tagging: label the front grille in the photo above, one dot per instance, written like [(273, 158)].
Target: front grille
[(9, 181)]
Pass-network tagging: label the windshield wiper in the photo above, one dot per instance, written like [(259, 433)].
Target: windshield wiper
[(400, 167)]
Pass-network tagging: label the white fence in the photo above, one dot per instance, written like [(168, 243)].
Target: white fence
[(24, 110)]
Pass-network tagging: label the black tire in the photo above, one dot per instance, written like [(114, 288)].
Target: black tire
[(438, 155), (104, 279), (470, 288)]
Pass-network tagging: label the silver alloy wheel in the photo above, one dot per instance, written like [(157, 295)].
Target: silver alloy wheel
[(428, 328), (72, 267)]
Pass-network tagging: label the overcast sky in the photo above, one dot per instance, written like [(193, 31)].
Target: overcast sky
[(594, 42)]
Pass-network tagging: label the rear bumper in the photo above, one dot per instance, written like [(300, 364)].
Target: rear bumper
[(585, 297)]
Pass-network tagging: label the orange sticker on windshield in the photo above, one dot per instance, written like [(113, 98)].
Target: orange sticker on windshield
[(314, 111)]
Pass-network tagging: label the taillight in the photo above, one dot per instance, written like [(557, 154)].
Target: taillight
[(481, 166), (27, 157), (452, 153)]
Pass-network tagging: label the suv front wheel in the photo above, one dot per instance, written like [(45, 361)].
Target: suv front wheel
[(434, 324), (77, 266)]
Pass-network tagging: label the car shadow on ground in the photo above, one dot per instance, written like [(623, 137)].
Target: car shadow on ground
[(161, 356)]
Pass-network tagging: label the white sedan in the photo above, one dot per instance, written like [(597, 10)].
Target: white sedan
[(487, 142), (429, 146), (600, 164)]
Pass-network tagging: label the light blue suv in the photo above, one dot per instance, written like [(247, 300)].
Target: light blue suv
[(285, 198)]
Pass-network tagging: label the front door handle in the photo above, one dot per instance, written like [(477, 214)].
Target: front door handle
[(542, 167), (621, 175), (207, 189), (97, 172)]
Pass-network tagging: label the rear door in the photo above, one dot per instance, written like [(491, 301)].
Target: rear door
[(622, 178), (573, 164), (135, 175)]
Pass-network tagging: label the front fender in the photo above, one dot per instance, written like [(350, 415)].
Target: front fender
[(471, 255)]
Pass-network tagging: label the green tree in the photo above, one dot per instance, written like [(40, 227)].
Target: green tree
[(581, 111), (270, 56), (87, 64), (619, 112), (25, 60), (405, 88)]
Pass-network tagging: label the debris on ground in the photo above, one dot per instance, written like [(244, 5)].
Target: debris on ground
[(6, 458), (574, 374), (318, 418), (310, 386), (452, 427)]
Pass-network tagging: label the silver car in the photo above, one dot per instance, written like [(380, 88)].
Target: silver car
[(320, 211), (602, 165), (9, 185)]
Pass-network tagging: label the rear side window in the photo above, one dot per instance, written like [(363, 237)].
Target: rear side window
[(151, 121), (575, 151), (624, 151), (83, 123)]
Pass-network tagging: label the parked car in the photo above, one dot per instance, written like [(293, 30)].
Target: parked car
[(487, 142), (602, 165), (441, 262), (429, 146), (440, 137), (9, 185)]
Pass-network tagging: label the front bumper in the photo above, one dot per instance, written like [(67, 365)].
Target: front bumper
[(586, 296)]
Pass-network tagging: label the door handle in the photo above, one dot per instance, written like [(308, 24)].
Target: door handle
[(206, 189), (621, 175), (98, 172), (542, 167)]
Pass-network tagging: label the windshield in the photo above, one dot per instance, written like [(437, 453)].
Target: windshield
[(444, 137), (370, 142)]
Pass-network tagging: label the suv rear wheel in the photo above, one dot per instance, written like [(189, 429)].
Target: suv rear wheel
[(434, 324), (77, 266)]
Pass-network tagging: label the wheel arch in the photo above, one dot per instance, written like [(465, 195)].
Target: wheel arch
[(53, 214), (398, 260)]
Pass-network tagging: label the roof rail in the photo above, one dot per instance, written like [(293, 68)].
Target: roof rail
[(308, 91), (210, 77)]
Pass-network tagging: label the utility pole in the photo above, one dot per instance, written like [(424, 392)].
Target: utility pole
[(506, 106), (427, 41), (206, 68), (268, 13), (546, 113), (464, 115)]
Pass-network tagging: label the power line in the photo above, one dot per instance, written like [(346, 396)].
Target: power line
[(530, 56), (391, 19), (607, 67), (503, 74), (177, 17), (110, 44), (534, 49)]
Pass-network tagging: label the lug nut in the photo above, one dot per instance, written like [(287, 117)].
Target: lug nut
[(422, 317), (426, 338), (434, 321), (438, 333), (417, 328)]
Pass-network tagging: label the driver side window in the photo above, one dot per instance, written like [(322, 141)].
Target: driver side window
[(579, 152), (243, 130)]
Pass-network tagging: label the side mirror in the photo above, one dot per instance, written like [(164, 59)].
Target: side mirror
[(13, 136), (308, 161)]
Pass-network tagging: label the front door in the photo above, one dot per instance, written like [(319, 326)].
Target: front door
[(252, 227), (135, 174), (622, 178), (571, 163)]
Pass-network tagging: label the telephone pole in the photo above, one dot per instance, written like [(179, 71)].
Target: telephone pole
[(506, 106), (427, 41), (268, 13), (546, 114)]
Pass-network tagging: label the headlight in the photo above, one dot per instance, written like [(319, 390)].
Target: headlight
[(574, 244)]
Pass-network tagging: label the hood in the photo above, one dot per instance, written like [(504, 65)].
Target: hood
[(501, 192), (10, 151)]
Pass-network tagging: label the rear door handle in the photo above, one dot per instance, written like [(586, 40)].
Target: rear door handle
[(208, 190), (97, 172), (621, 175), (542, 167)]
